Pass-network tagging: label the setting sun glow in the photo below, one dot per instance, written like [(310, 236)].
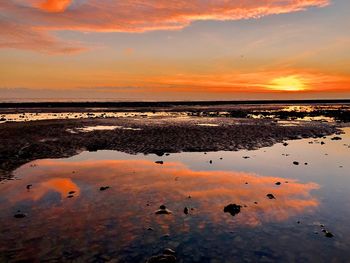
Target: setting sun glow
[(289, 83)]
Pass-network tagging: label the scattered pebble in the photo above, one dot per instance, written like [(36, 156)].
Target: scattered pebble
[(233, 209), (270, 196), (163, 211), (29, 186), (103, 188), (278, 183), (19, 215), (296, 163), (186, 211), (336, 138), (159, 162)]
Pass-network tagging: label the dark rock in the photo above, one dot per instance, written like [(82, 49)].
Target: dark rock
[(159, 162), (322, 143), (336, 138), (328, 234), (29, 186), (186, 211), (245, 157), (71, 192), (305, 163), (285, 144), (103, 188), (233, 209), (210, 161), (19, 215), (168, 251), (162, 259), (296, 163), (270, 196), (163, 211), (278, 183), (70, 196)]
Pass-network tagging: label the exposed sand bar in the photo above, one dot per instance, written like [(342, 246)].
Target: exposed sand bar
[(21, 142)]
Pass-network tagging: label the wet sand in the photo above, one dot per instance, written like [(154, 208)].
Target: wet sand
[(24, 141)]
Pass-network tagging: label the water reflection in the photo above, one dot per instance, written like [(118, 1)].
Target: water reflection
[(124, 213)]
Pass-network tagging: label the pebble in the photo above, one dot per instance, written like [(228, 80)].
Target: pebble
[(270, 196)]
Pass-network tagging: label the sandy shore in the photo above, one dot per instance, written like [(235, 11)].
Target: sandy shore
[(21, 142)]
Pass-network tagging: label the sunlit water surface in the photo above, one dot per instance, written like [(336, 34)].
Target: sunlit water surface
[(68, 217)]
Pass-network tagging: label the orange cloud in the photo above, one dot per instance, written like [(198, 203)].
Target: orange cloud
[(55, 5), (135, 16)]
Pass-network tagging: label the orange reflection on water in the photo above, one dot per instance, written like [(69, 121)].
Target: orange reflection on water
[(122, 214), (139, 181)]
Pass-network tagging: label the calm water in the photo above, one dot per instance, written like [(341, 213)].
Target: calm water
[(120, 224)]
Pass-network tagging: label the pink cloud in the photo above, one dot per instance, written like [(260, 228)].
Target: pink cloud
[(135, 15)]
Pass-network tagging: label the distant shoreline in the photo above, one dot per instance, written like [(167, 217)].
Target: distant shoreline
[(91, 104)]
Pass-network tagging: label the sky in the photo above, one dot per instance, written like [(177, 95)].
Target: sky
[(174, 49)]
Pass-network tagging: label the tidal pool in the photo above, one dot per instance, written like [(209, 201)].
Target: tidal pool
[(66, 217)]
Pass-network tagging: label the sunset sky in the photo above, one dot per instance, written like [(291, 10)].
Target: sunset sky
[(174, 49)]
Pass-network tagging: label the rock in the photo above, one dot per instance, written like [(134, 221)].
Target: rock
[(70, 196), (278, 183), (270, 196), (168, 251), (163, 211), (322, 143), (336, 138), (256, 203), (29, 186), (162, 259), (305, 163), (233, 209), (19, 215), (159, 162), (296, 163), (285, 144), (245, 157), (210, 161), (328, 234), (186, 211), (71, 192), (103, 188)]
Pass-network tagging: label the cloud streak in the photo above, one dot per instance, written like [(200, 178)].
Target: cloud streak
[(28, 23)]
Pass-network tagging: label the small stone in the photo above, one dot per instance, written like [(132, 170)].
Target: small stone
[(245, 157), (103, 188), (328, 234), (162, 259), (29, 186), (19, 215), (296, 163), (233, 209), (336, 138), (162, 211), (322, 143), (168, 251), (285, 144), (270, 196), (70, 196), (278, 183), (186, 211), (71, 192), (210, 161), (159, 162)]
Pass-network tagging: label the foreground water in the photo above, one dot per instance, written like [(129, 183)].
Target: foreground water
[(64, 215)]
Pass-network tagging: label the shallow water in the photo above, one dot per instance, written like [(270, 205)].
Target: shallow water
[(120, 223)]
